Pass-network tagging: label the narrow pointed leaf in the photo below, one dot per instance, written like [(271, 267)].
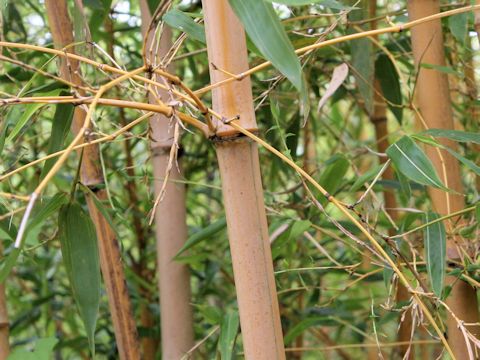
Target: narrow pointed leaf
[(435, 244), (203, 234), (30, 109), (470, 164), (228, 334), (455, 135), (80, 255), (181, 21), (332, 4), (60, 128), (387, 75), (8, 264), (267, 33), (412, 162)]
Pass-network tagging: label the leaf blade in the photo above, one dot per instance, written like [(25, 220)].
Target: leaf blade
[(436, 249), (267, 33)]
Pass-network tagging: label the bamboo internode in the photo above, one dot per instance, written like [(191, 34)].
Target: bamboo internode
[(242, 188)]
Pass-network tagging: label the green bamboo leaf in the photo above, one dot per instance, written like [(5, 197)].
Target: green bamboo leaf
[(332, 4), (363, 61), (387, 75), (6, 225), (80, 255), (441, 68), (368, 176), (203, 234), (8, 264), (44, 209), (61, 123), (30, 109), (412, 162), (470, 164), (267, 33), (477, 212), (455, 135), (333, 175), (458, 25), (181, 21), (435, 244), (43, 351), (228, 335), (302, 326)]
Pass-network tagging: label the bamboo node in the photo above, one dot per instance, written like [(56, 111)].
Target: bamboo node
[(4, 324)]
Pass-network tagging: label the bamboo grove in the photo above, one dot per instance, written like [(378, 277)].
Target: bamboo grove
[(239, 179)]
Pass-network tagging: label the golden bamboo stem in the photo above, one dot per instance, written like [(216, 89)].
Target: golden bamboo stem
[(170, 218), (91, 176), (434, 101), (242, 188)]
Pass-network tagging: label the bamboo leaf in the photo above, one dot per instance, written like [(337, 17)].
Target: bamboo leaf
[(387, 75), (80, 255), (44, 210), (332, 4), (435, 244), (302, 326), (455, 135), (333, 174), (339, 75), (30, 109), (267, 33), (43, 350), (203, 234), (228, 334), (470, 164), (8, 264), (363, 62), (61, 123), (412, 162), (6, 225), (441, 68), (458, 25), (362, 179), (181, 21)]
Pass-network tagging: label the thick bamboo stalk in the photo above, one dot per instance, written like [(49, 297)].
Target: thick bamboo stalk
[(434, 101), (170, 221), (91, 176), (4, 324), (242, 188)]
